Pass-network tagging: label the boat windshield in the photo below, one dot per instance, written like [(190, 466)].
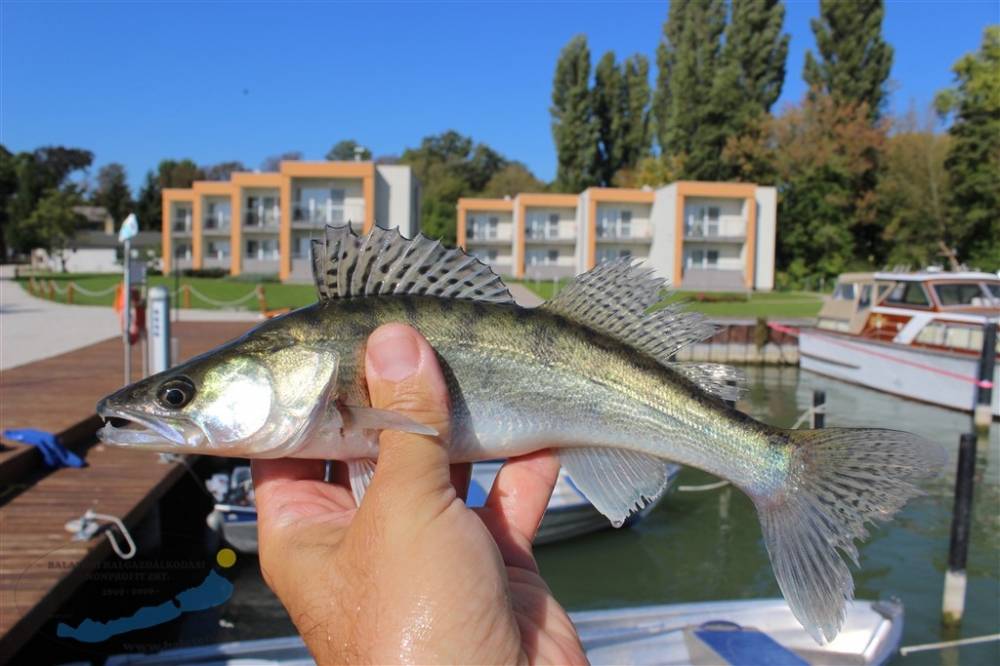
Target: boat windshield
[(962, 293), (994, 289)]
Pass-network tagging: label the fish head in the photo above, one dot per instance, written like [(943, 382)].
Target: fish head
[(255, 398)]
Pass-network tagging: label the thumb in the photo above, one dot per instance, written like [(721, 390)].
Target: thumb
[(404, 376)]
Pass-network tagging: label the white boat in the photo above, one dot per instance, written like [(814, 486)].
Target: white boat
[(715, 632), (916, 335), (569, 514)]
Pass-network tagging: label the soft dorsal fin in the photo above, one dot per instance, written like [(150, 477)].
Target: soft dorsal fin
[(613, 298), (383, 262)]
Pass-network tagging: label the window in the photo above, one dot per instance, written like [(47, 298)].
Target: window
[(480, 227), (866, 297), (712, 257), (843, 292), (697, 258), (218, 250), (553, 256), (553, 230), (908, 293), (961, 293), (712, 221), (542, 225), (494, 226), (484, 255), (253, 247), (182, 251), (625, 224), (994, 290), (704, 221), (182, 219), (318, 205), (301, 248)]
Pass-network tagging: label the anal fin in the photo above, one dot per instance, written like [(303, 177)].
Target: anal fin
[(361, 473), (617, 482)]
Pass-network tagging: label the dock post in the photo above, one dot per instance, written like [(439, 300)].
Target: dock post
[(953, 603), (818, 415), (159, 327), (982, 414)]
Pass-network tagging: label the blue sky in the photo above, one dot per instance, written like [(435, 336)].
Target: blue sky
[(136, 83)]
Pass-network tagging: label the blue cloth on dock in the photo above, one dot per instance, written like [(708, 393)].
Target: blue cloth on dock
[(54, 454)]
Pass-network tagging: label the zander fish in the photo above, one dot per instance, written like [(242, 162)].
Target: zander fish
[(590, 374)]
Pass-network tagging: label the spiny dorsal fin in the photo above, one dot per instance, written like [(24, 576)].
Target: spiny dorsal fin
[(383, 262), (613, 298)]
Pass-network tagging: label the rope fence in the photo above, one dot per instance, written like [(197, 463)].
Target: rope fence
[(53, 290)]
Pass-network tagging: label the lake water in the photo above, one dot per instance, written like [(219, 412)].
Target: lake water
[(707, 545)]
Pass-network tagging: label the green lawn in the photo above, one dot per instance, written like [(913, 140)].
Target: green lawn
[(218, 289), (772, 305), (786, 304)]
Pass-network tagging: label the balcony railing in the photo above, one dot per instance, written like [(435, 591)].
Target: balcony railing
[(217, 222), (328, 212), (262, 218), (700, 231), (618, 233)]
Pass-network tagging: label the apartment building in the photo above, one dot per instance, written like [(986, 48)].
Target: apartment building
[(262, 223), (699, 235)]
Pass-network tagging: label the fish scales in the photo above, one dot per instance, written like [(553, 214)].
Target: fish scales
[(589, 374)]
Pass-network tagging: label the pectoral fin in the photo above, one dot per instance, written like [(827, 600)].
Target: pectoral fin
[(617, 482), (369, 418), (360, 473)]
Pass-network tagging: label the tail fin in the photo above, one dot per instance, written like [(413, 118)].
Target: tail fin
[(838, 480)]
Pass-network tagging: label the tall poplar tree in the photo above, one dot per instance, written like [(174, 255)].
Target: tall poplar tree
[(854, 61), (574, 129), (621, 112), (973, 162), (688, 58)]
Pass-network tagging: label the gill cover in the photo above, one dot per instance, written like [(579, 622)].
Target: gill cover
[(266, 402)]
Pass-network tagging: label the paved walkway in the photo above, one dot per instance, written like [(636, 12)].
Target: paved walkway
[(34, 328)]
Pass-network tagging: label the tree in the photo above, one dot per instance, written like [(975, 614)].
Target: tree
[(574, 129), (347, 151), (53, 222), (148, 206), (756, 44), (511, 181), (273, 162), (35, 174), (450, 165), (179, 173), (688, 58), (912, 194), (650, 171), (973, 161), (8, 187), (854, 61), (621, 113), (113, 192), (222, 170), (819, 151)]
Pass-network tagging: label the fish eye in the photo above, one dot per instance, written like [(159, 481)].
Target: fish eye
[(175, 393)]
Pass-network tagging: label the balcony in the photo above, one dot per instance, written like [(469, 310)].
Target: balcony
[(471, 238), (181, 225), (217, 224), (326, 212), (725, 233), (620, 235), (262, 218), (548, 238)]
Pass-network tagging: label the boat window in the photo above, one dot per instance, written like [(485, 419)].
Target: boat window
[(844, 292), (964, 337), (909, 293), (866, 297), (959, 293), (932, 334), (994, 289)]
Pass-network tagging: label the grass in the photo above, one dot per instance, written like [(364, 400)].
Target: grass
[(218, 289), (791, 304), (772, 305)]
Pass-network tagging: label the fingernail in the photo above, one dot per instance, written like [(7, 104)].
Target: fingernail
[(393, 353)]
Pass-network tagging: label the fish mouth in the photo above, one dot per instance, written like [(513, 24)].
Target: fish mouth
[(124, 427)]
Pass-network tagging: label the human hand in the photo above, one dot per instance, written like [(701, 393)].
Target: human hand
[(413, 575)]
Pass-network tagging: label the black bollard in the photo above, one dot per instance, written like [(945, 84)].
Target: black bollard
[(953, 603), (818, 415), (982, 414)]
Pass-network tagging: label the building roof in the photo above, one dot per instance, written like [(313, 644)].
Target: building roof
[(100, 239)]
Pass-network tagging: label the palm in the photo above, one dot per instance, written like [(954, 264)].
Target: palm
[(477, 555)]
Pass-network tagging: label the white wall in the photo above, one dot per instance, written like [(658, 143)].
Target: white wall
[(663, 219), (397, 202), (767, 225), (583, 232)]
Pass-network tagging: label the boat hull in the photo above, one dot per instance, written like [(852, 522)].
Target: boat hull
[(938, 378)]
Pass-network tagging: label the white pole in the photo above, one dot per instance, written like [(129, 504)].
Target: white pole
[(159, 328), (127, 311)]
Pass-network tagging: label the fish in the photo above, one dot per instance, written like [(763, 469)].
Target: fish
[(590, 374)]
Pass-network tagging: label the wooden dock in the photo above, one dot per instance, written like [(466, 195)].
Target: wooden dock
[(58, 395)]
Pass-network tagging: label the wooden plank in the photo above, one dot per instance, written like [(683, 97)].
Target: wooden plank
[(58, 395)]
